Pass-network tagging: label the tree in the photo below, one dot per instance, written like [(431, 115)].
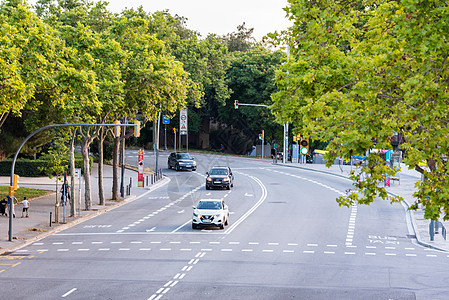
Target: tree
[(251, 78), (360, 71)]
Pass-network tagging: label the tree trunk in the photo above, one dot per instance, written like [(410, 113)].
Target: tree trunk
[(87, 190), (100, 167), (115, 166), (72, 175)]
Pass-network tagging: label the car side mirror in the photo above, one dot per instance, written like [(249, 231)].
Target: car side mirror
[(207, 173), (193, 158), (194, 207), (231, 173)]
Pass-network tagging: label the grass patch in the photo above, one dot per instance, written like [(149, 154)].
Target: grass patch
[(22, 192)]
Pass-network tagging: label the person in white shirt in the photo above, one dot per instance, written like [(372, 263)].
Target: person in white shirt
[(26, 206)]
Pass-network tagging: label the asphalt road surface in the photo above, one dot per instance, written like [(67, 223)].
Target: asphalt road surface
[(287, 239)]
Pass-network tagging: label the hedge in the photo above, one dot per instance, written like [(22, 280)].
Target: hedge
[(32, 168)]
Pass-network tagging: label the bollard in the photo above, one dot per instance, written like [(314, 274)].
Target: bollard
[(50, 219), (431, 229), (130, 182), (146, 177)]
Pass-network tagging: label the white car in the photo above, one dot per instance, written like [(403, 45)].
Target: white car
[(210, 212)]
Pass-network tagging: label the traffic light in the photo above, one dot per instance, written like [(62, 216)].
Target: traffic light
[(137, 128), (304, 148), (263, 134), (117, 129), (174, 129), (294, 138), (15, 185), (260, 136), (236, 104)]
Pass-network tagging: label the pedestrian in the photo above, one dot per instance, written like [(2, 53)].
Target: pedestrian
[(26, 206), (11, 201), (65, 192), (3, 206)]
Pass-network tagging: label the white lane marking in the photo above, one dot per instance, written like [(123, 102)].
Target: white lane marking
[(145, 249), (253, 243), (350, 253), (57, 243), (38, 244), (390, 254), (334, 246), (370, 253), (63, 250), (312, 245), (308, 251), (69, 292), (185, 249), (268, 250), (288, 251), (292, 244), (77, 243), (329, 252), (83, 249), (412, 254), (226, 250), (252, 209), (247, 250), (124, 249), (189, 221), (136, 242)]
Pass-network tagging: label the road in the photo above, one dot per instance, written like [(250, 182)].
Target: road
[(287, 239)]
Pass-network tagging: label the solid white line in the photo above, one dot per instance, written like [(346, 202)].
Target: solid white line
[(69, 292), (189, 221), (252, 209)]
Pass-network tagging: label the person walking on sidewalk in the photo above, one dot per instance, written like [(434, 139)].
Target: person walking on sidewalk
[(3, 206), (26, 206), (65, 193), (11, 201)]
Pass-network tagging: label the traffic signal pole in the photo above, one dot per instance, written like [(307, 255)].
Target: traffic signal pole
[(13, 164)]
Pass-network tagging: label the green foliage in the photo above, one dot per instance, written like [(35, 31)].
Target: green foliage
[(360, 72), (22, 192), (251, 77), (34, 167)]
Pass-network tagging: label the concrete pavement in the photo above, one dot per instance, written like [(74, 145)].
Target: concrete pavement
[(38, 225), (404, 187)]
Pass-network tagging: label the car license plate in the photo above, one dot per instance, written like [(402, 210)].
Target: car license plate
[(217, 181), (206, 221)]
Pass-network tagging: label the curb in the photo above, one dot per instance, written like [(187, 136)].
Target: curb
[(82, 219)]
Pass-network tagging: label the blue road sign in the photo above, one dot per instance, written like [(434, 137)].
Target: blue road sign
[(165, 120)]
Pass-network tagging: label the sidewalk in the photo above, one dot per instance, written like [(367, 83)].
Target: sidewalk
[(404, 188), (26, 230)]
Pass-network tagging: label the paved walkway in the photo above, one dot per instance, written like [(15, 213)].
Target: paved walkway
[(405, 188), (26, 230)]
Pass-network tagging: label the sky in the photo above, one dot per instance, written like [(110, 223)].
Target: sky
[(220, 17)]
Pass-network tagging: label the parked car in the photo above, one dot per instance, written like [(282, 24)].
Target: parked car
[(220, 177), (181, 161), (210, 212)]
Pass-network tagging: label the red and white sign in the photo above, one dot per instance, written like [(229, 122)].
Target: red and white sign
[(140, 169), (183, 122)]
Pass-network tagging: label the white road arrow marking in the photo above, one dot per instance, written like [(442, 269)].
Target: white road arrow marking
[(150, 230)]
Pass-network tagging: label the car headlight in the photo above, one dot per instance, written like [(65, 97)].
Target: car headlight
[(194, 163), (226, 179), (182, 163), (209, 179), (217, 216), (197, 215)]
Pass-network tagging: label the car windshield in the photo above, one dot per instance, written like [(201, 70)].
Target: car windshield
[(218, 172), (209, 205), (183, 156)]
